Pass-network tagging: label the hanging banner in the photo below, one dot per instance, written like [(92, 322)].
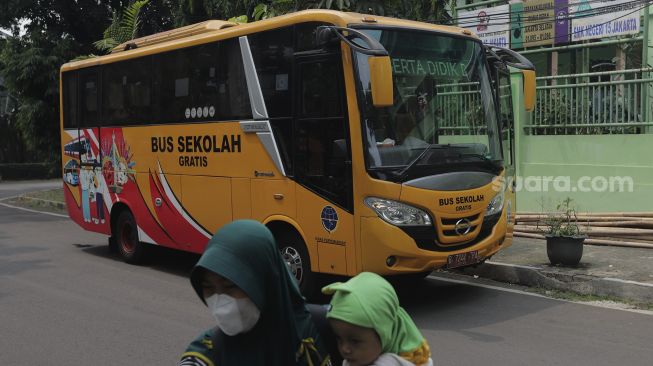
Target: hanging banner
[(538, 18), (600, 19), (492, 25), (561, 9)]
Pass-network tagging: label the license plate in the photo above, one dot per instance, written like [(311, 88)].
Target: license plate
[(463, 259)]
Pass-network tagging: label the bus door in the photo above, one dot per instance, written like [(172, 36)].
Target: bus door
[(507, 128), (322, 160), (90, 175)]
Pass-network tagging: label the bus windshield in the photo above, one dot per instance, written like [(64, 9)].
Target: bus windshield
[(443, 113)]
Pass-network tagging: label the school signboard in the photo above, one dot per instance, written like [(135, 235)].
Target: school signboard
[(538, 16), (600, 19), (492, 25)]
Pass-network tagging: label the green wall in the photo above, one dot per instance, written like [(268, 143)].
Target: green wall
[(586, 155)]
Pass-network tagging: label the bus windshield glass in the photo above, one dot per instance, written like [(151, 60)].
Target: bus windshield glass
[(443, 113)]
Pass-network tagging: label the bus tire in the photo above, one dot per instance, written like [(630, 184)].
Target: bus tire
[(129, 246), (294, 253)]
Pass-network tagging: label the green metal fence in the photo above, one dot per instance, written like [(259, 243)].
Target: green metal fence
[(590, 104), (459, 110)]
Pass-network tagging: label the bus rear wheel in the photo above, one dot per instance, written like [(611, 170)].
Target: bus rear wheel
[(295, 255), (126, 239)]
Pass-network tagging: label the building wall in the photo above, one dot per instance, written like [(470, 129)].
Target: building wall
[(602, 158)]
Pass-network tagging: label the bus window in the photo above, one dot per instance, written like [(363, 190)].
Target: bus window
[(70, 99), (89, 99), (320, 94), (321, 136), (272, 53), (233, 96), (506, 115), (187, 79), (127, 92)]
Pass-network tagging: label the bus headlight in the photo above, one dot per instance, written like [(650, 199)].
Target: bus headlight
[(397, 213), (496, 205)]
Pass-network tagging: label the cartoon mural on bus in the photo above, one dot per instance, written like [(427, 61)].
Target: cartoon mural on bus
[(117, 164), (71, 172)]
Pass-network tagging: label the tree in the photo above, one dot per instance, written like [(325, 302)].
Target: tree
[(122, 28), (55, 32), (195, 11), (30, 68)]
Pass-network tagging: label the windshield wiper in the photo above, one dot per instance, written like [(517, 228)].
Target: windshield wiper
[(480, 156), (404, 172)]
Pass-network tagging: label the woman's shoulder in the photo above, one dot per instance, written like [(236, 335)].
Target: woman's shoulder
[(201, 351)]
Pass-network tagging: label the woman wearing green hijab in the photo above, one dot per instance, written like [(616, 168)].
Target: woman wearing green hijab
[(371, 327), (261, 316)]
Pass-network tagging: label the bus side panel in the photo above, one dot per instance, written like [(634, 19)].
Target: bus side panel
[(241, 197), (70, 147), (132, 176), (329, 232), (87, 198), (509, 212), (208, 200), (137, 196), (273, 197)]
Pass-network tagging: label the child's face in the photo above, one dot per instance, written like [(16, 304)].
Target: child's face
[(358, 345)]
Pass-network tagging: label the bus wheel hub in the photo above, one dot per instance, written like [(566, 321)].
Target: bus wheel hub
[(294, 262)]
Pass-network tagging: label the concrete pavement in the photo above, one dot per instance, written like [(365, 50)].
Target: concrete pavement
[(624, 273)]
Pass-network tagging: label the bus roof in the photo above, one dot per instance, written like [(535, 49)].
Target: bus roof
[(177, 33), (214, 30)]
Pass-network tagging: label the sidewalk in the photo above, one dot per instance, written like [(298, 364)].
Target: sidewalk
[(624, 273)]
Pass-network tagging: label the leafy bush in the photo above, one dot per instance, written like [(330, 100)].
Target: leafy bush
[(564, 221)]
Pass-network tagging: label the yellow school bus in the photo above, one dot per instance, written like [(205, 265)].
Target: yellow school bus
[(364, 143)]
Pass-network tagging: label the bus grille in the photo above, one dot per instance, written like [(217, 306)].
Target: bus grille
[(427, 238)]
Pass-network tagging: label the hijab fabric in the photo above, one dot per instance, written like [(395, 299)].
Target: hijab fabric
[(245, 253), (369, 301)]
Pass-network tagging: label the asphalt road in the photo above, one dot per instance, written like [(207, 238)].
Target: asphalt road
[(65, 300)]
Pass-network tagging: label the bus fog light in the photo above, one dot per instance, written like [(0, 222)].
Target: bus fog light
[(397, 213), (391, 260)]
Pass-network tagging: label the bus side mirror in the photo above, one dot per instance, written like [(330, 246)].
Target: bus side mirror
[(529, 89), (381, 81)]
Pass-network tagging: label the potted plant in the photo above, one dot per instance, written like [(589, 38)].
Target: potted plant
[(564, 239)]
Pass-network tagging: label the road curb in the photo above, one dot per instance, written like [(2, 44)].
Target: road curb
[(555, 280), (46, 203), (50, 203)]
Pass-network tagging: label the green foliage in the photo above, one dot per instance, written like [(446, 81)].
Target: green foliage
[(564, 221), (239, 19), (335, 4), (429, 10), (30, 68), (277, 7), (193, 11), (122, 28)]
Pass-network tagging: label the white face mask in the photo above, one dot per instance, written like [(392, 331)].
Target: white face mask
[(234, 316)]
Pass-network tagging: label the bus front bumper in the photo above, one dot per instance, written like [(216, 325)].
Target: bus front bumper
[(383, 244)]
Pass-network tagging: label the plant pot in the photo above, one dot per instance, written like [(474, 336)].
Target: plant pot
[(565, 250)]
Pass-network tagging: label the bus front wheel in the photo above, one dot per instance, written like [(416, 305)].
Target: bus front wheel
[(295, 255), (126, 239)]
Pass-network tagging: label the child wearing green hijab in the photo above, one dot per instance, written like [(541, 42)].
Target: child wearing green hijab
[(371, 327)]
